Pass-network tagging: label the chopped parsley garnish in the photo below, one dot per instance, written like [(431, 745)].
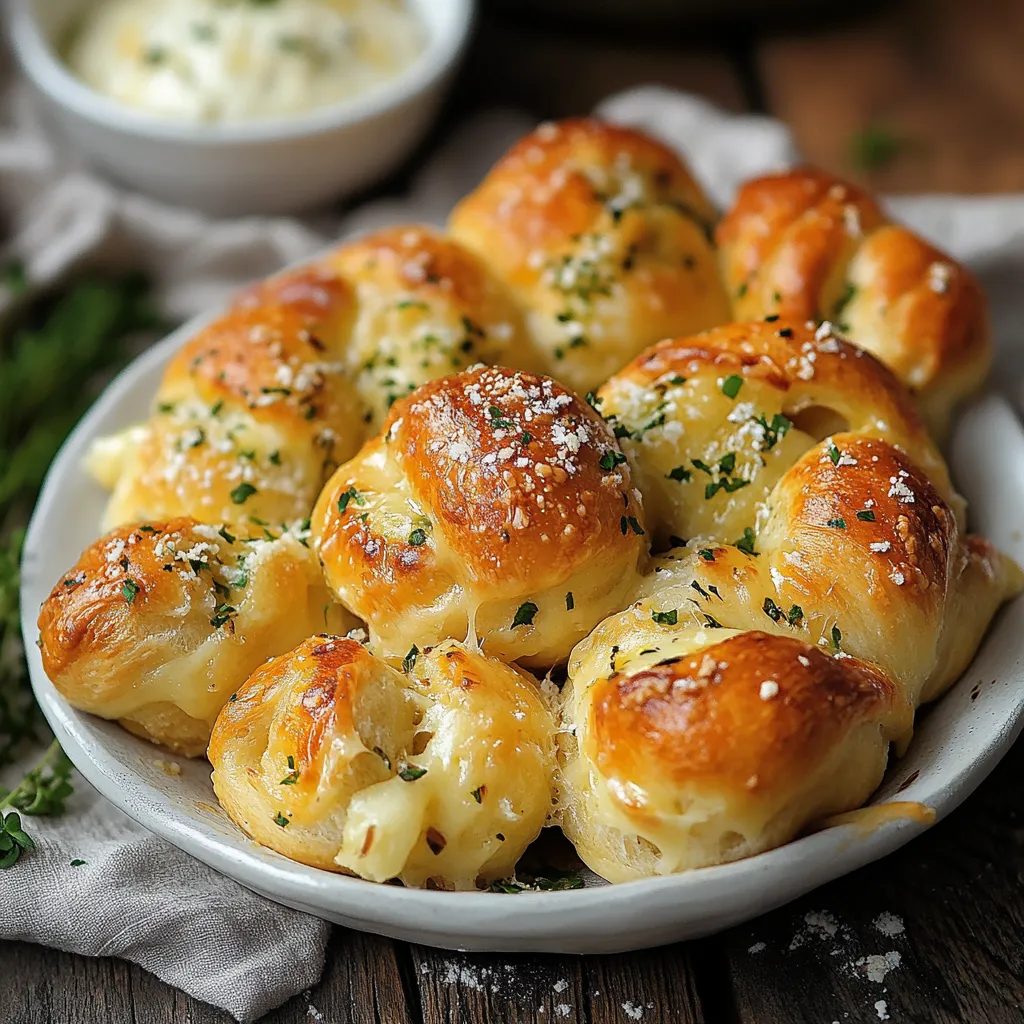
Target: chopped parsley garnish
[(242, 493), (679, 473), (350, 495), (627, 523), (130, 589), (837, 637), (592, 400), (669, 618), (229, 537), (774, 430), (498, 422), (525, 437), (418, 536), (409, 661), (772, 610), (222, 614), (611, 459), (570, 602), (478, 794), (866, 515), (731, 385), (524, 614), (746, 542), (722, 479), (293, 773), (411, 304), (700, 590), (742, 290), (711, 622), (280, 820), (795, 615), (274, 458), (708, 554), (833, 453), (839, 524), (410, 773)]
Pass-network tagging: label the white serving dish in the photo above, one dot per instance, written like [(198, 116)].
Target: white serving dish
[(261, 167), (958, 743)]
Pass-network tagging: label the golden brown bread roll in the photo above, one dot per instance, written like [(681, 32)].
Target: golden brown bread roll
[(156, 624), (806, 245), (858, 554), (712, 423), (603, 237), (691, 746), (495, 504), (426, 308), (336, 760), (252, 416)]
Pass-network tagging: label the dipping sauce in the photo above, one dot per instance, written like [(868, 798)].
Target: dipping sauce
[(227, 61)]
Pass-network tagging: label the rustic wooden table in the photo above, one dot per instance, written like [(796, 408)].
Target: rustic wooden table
[(925, 96)]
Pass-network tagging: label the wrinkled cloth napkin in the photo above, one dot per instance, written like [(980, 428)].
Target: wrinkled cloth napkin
[(138, 897)]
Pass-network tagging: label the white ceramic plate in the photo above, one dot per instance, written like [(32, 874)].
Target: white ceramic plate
[(958, 743)]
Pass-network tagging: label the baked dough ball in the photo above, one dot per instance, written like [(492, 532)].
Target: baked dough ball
[(858, 555), (604, 237), (691, 746), (804, 244), (495, 504), (157, 624), (426, 307), (252, 416), (711, 423), (334, 759)]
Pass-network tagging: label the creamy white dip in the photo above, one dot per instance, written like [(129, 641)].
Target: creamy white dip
[(227, 61)]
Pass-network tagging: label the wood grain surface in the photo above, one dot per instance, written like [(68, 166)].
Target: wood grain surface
[(932, 933)]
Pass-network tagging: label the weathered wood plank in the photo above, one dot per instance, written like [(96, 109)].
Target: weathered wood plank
[(362, 984), (927, 91), (523, 988), (933, 934)]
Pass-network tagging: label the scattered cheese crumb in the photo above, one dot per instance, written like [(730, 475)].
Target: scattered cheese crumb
[(882, 1010), (769, 689), (889, 924)]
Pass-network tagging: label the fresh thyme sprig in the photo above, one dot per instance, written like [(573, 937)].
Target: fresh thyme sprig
[(55, 352)]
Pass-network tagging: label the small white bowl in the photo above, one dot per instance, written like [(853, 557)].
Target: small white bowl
[(273, 166)]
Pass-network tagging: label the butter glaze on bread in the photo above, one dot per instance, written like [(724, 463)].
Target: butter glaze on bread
[(252, 415), (157, 624), (700, 746), (712, 423), (334, 759), (806, 245), (426, 308), (858, 555), (494, 503), (604, 238)]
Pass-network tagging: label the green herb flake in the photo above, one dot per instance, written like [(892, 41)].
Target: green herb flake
[(746, 542), (833, 453), (229, 537), (679, 473), (795, 615), (418, 537), (409, 661), (350, 495), (708, 554), (669, 618), (866, 515), (731, 385), (293, 773), (772, 610), (478, 794), (130, 590), (570, 602), (838, 524), (280, 820), (611, 459), (242, 493), (524, 614), (837, 637), (410, 773)]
